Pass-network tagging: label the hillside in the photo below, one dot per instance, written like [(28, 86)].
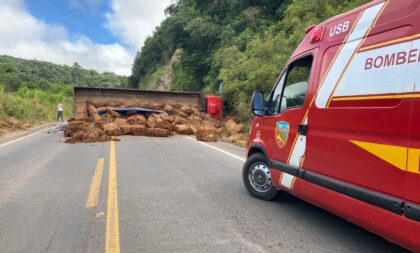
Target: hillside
[(30, 90), (16, 73), (241, 43)]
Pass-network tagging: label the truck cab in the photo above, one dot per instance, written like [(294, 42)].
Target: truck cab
[(340, 129)]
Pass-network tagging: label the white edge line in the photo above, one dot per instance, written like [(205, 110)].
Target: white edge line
[(218, 149), (26, 136)]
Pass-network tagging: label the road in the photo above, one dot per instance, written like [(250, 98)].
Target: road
[(154, 195)]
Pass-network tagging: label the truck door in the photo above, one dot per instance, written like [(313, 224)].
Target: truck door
[(360, 119), (287, 107), (412, 187)]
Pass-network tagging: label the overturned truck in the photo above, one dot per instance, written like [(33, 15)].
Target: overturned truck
[(103, 114)]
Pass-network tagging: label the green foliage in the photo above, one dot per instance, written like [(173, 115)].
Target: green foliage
[(33, 106), (241, 43), (16, 73), (152, 78), (31, 90)]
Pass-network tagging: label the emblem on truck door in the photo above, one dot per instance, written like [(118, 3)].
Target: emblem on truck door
[(282, 133)]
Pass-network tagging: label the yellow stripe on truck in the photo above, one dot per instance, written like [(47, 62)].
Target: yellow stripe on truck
[(403, 158)]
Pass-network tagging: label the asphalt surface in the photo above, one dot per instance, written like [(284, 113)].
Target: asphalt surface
[(174, 195)]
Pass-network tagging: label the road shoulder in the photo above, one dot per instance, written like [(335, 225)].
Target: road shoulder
[(11, 136)]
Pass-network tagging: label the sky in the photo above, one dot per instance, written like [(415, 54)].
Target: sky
[(104, 35)]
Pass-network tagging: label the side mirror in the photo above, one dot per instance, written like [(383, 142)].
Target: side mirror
[(258, 103)]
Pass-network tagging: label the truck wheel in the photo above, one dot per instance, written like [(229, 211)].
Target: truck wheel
[(257, 178)]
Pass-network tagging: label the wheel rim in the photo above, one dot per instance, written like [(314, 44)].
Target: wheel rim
[(260, 178)]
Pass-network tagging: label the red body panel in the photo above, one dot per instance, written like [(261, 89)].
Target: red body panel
[(361, 112), (215, 106)]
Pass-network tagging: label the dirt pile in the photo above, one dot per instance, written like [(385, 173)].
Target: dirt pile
[(12, 123), (96, 121)]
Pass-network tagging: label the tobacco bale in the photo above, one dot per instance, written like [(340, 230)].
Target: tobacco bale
[(233, 127), (209, 118), (236, 137), (115, 138), (67, 133), (112, 129), (156, 132), (115, 114), (136, 119), (110, 108), (169, 118), (207, 136), (163, 124), (125, 130), (102, 109), (176, 106), (75, 126), (207, 133), (179, 120), (153, 119), (81, 110), (196, 121), (90, 134), (120, 122), (78, 125), (196, 112), (158, 121), (136, 130), (99, 124), (181, 113), (107, 117), (94, 115), (183, 129), (14, 122), (187, 109), (168, 108), (131, 129)]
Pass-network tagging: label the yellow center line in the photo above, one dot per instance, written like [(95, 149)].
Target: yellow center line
[(92, 200), (112, 244)]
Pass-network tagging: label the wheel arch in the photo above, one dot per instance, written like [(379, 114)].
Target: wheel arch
[(257, 148)]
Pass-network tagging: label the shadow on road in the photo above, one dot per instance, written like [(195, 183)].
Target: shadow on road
[(333, 225)]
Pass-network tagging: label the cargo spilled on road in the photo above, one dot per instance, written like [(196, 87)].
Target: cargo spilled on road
[(110, 113)]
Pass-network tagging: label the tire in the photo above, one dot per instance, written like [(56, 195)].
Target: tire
[(257, 178)]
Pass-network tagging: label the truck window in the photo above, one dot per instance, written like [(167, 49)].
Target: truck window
[(292, 87)]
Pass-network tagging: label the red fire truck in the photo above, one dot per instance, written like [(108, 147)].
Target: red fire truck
[(341, 127)]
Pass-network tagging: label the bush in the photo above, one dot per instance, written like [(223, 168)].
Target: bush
[(33, 105)]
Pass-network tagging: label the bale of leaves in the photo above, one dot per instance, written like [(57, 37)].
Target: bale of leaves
[(207, 133)]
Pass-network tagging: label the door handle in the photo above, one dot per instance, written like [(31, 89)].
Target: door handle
[(302, 129)]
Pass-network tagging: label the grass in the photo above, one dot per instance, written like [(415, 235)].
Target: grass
[(33, 106)]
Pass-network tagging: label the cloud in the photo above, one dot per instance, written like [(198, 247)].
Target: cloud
[(133, 20), (24, 36), (83, 5)]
